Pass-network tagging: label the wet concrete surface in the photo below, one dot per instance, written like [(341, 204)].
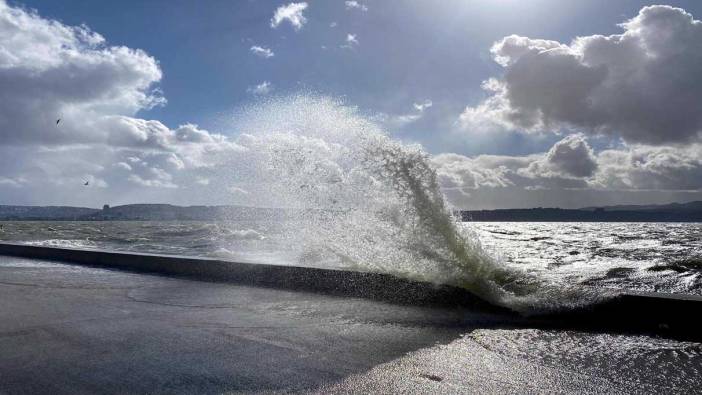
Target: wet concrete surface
[(75, 329)]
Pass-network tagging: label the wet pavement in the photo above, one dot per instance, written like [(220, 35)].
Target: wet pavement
[(74, 329)]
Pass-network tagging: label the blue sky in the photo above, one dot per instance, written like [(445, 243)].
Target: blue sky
[(509, 119), (408, 51)]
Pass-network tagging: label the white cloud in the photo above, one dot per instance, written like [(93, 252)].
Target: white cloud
[(153, 177), (644, 85), (263, 88), (175, 161), (492, 114), (355, 5), (351, 41), (398, 121), (192, 133), (494, 171), (467, 174), (293, 13), (13, 182), (333, 24), (402, 120), (423, 105), (651, 168), (48, 71), (151, 183), (572, 164), (237, 191), (262, 52), (123, 166), (463, 173)]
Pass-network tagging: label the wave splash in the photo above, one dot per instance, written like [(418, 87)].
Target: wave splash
[(375, 203)]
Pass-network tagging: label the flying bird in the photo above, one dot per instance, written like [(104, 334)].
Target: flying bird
[(57, 121), (86, 183)]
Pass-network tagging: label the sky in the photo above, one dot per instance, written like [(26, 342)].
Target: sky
[(519, 103)]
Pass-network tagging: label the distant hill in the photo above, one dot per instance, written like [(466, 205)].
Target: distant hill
[(674, 212), (138, 212), (44, 212), (690, 206)]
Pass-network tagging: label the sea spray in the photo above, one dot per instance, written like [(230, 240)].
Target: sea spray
[(374, 203)]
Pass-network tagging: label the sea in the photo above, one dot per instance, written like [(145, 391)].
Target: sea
[(652, 257)]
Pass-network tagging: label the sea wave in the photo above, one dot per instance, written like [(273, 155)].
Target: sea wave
[(63, 243), (376, 205)]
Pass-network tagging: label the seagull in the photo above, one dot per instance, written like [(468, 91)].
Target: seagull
[(86, 183)]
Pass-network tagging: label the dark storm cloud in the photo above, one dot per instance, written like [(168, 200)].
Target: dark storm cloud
[(571, 156)]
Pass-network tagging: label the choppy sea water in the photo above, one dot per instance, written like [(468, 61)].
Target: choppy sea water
[(656, 257), (255, 241), (662, 257)]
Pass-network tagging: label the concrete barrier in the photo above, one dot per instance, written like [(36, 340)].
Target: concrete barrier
[(632, 312), (669, 315), (375, 286)]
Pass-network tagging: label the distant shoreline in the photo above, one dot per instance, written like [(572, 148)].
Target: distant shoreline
[(566, 215), (674, 212)]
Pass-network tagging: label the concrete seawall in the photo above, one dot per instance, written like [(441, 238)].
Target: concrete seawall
[(375, 286), (631, 312)]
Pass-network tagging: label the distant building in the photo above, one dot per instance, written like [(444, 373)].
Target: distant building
[(106, 207)]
